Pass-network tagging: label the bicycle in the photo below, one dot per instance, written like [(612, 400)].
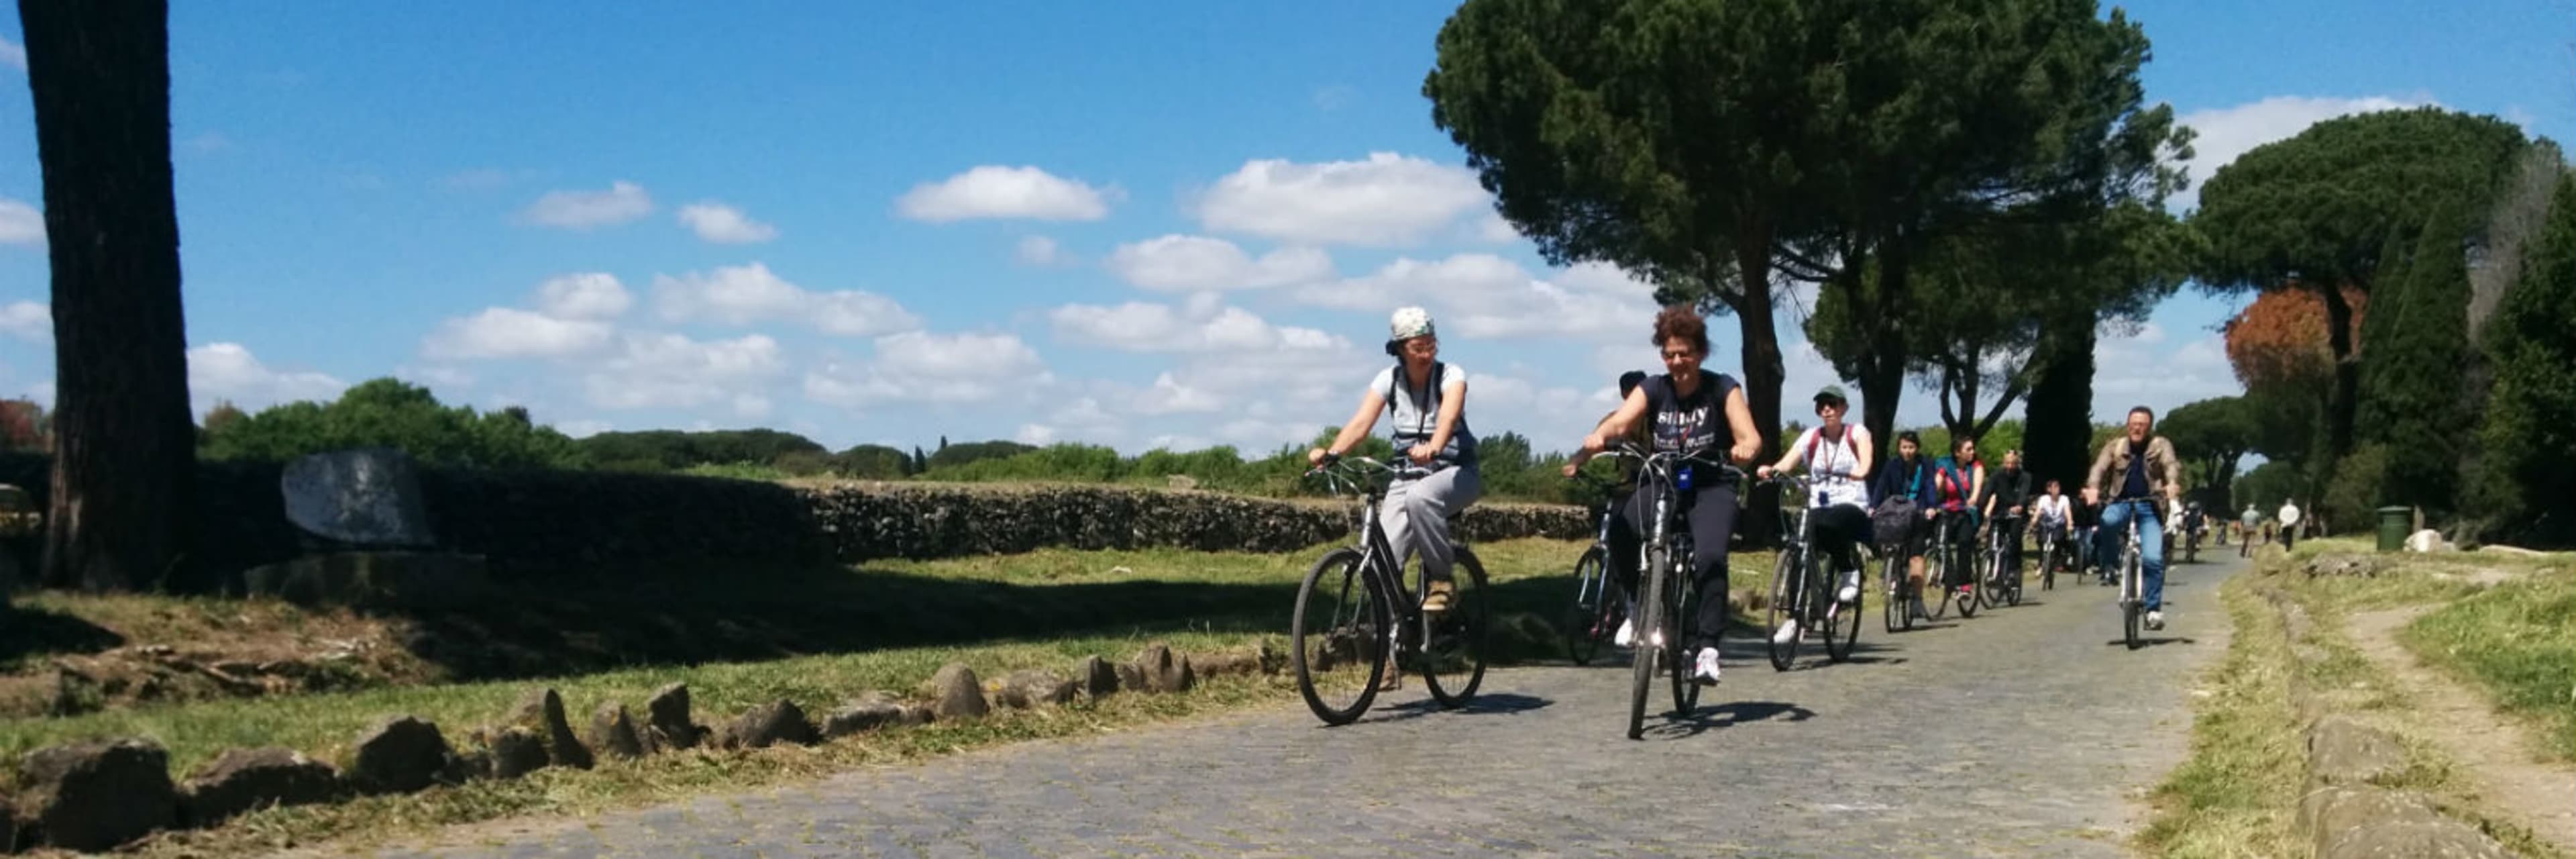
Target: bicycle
[(2132, 560), (1902, 603), (1665, 618), (1599, 603), (1798, 580), (2001, 587), (1374, 620), (1943, 561), (2048, 560)]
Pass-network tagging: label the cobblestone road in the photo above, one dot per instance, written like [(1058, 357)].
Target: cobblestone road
[(2023, 732)]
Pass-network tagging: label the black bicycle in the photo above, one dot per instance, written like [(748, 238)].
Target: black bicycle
[(1799, 587), (2133, 603), (1599, 602), (2049, 555), (1355, 612), (2002, 584), (1950, 568), (1666, 618)]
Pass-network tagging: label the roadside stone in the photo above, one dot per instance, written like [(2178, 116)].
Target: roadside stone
[(2428, 540), (957, 693), (2342, 564), (2374, 823), (1221, 664), (466, 765), (541, 712), (243, 780), (401, 754), (517, 751), (2342, 752), (1031, 687), (1165, 671), (770, 724), (868, 712), (1098, 678), (96, 795), (668, 714), (612, 732), (1131, 676)]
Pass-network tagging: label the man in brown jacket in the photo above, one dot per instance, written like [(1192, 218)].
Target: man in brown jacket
[(2137, 469)]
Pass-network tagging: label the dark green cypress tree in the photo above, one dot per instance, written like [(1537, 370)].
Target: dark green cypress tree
[(2413, 344), (2530, 427), (2057, 420)]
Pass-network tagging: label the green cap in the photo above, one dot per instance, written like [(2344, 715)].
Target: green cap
[(1832, 394)]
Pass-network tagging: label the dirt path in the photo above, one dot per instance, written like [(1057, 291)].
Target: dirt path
[(2495, 753)]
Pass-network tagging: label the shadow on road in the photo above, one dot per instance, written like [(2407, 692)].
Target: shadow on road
[(1726, 715), (2152, 642), (1485, 704)]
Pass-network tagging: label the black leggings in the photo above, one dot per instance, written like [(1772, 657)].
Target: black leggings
[(1711, 514)]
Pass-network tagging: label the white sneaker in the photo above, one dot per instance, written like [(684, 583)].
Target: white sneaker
[(1627, 634), (2155, 620), (1788, 633), (1851, 588), (1708, 667)]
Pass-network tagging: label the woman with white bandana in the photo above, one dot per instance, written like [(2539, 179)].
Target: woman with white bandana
[(1436, 452)]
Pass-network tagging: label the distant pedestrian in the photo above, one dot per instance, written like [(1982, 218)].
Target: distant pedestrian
[(2289, 524)]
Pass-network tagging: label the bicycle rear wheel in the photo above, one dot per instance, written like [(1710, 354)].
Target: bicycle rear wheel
[(1589, 619), (1338, 631), (1936, 577), (2048, 566), (1453, 641), (1788, 597), (1649, 619), (1990, 576), (1842, 622)]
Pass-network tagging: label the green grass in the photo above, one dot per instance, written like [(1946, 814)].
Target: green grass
[(2518, 642), (2237, 794)]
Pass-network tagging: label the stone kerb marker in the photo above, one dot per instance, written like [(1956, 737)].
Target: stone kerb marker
[(368, 530)]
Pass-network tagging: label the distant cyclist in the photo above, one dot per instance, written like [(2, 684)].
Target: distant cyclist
[(1837, 456), (2138, 466), (2006, 505), (2055, 513), (1906, 478), (1960, 480)]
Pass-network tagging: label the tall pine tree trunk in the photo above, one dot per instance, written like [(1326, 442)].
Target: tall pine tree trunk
[(125, 461), (2057, 429), (1764, 373)]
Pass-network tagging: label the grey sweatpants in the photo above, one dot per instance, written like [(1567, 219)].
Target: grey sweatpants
[(1416, 516)]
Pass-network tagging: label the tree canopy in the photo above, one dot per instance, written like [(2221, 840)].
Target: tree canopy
[(393, 413), (2212, 435)]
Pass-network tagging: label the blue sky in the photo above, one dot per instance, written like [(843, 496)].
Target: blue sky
[(1159, 224)]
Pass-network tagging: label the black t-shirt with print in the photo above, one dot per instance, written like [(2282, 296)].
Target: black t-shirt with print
[(1694, 424)]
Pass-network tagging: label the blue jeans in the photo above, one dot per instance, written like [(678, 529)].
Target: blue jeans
[(2151, 545)]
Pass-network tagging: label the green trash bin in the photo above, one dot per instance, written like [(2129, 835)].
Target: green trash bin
[(2394, 523)]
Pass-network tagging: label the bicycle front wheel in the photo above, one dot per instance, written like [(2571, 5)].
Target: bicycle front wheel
[(1453, 641), (1339, 635), (1972, 576), (1842, 622), (1893, 609), (1648, 622), (1682, 662), (1787, 598), (2048, 567), (1588, 620)]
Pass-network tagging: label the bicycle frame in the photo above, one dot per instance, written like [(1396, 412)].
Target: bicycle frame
[(1378, 559)]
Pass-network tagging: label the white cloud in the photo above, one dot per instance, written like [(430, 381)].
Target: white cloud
[(996, 191), (32, 321), (2145, 370), (13, 55), (672, 371), (1169, 396), (740, 295), (582, 428), (1182, 263), (508, 332), (1143, 327), (228, 371), (722, 224), (752, 406), (585, 295), (1493, 228), (2227, 132), (1388, 200), (581, 210), (20, 223), (1036, 434), (918, 366), (1486, 296), (1041, 251), (437, 377)]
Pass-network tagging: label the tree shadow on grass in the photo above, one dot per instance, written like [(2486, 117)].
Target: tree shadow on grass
[(33, 633)]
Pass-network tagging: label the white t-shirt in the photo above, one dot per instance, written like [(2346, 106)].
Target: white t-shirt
[(2289, 515), (2053, 509), (1830, 465)]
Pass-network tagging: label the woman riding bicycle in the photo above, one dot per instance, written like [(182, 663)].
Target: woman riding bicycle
[(1702, 415), (1909, 476), (1439, 477), (2054, 512), (1958, 480), (1837, 456)]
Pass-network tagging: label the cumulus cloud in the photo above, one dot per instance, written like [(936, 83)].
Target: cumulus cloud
[(581, 210), (723, 224), (585, 295), (921, 367), (1036, 434), (229, 372), (508, 332), (741, 295), (665, 370), (1145, 327), (20, 223), (1386, 200), (2227, 132), (31, 321), (996, 191), (1486, 296), (1040, 251), (13, 55), (1187, 263)]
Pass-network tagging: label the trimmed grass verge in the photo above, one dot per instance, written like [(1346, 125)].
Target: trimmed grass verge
[(2518, 642), (2238, 792)]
